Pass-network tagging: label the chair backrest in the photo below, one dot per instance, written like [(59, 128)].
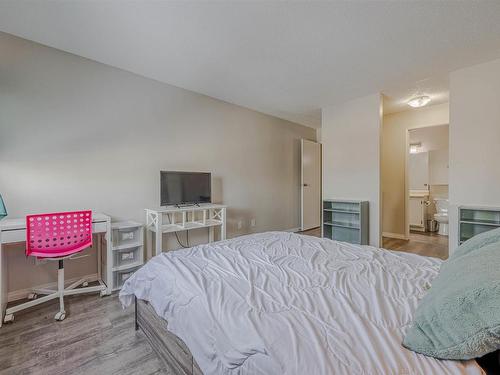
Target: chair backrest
[(58, 234)]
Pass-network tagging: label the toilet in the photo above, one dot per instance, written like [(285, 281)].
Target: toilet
[(441, 215)]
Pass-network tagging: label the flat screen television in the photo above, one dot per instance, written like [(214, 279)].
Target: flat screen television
[(184, 188)]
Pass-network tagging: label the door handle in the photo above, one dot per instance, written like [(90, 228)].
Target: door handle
[(305, 185)]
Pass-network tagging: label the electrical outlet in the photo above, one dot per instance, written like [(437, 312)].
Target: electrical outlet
[(252, 222), (240, 224)]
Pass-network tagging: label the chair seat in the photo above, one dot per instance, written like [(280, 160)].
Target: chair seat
[(59, 255), (58, 258)]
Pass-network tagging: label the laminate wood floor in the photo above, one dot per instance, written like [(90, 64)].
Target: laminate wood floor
[(97, 337), (428, 244), (315, 232)]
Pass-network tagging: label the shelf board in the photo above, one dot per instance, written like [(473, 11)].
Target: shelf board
[(341, 211), (126, 246), (169, 228), (201, 207), (483, 222), (342, 225), (127, 266)]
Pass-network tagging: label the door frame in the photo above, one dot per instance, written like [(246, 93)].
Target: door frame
[(407, 180), (302, 184)]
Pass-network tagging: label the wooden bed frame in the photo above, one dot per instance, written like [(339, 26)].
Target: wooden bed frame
[(173, 353), (177, 359)]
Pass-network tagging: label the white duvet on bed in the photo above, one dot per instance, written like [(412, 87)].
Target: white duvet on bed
[(282, 303)]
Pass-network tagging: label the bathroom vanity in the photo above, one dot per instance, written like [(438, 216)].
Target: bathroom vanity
[(418, 209)]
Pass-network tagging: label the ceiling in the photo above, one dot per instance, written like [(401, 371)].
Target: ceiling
[(396, 98), (287, 59)]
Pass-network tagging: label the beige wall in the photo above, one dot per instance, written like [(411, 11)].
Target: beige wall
[(474, 139), (350, 136), (432, 138), (78, 134), (394, 130)]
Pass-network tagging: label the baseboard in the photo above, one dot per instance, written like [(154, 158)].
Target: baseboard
[(398, 236), (23, 293), (292, 230)]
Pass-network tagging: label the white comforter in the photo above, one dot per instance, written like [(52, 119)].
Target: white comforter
[(282, 303)]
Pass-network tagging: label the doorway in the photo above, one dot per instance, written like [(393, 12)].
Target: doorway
[(414, 147), (426, 216), (310, 187)]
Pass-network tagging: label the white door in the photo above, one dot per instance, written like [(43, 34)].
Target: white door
[(416, 212), (310, 184)]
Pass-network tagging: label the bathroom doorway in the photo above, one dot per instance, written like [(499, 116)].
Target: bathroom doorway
[(426, 208), (414, 151)]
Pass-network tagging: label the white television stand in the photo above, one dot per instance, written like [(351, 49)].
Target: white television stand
[(172, 219)]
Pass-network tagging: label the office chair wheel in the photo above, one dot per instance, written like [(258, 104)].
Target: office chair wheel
[(9, 318), (85, 284), (32, 296), (60, 316)]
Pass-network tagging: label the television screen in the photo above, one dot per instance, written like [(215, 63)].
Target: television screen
[(185, 188)]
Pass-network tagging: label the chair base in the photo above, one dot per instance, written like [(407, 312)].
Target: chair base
[(50, 294)]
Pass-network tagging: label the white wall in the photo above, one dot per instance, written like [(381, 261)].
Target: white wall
[(474, 139), (350, 136), (78, 134), (394, 132), (439, 162), (435, 141)]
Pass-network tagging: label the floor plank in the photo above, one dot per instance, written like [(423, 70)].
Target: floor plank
[(97, 337), (428, 244), (315, 232)]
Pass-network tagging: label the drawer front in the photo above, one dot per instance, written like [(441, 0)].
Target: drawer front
[(128, 236), (11, 236), (126, 256), (121, 276)]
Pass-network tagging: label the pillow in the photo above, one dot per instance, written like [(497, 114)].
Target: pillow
[(478, 241), (459, 318)]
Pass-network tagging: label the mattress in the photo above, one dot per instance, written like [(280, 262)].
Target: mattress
[(283, 303)]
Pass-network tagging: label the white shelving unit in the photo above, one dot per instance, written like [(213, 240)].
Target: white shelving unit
[(174, 219), (473, 220), (345, 220), (127, 248)]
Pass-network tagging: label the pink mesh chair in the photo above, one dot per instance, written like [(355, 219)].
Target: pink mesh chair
[(57, 236)]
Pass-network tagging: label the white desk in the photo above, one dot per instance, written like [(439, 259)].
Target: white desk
[(206, 215), (14, 231)]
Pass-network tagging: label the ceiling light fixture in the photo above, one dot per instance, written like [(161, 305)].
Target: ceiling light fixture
[(419, 101)]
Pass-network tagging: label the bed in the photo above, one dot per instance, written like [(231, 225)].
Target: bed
[(283, 303)]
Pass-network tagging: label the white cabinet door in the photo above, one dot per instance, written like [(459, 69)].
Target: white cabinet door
[(416, 211), (418, 171)]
